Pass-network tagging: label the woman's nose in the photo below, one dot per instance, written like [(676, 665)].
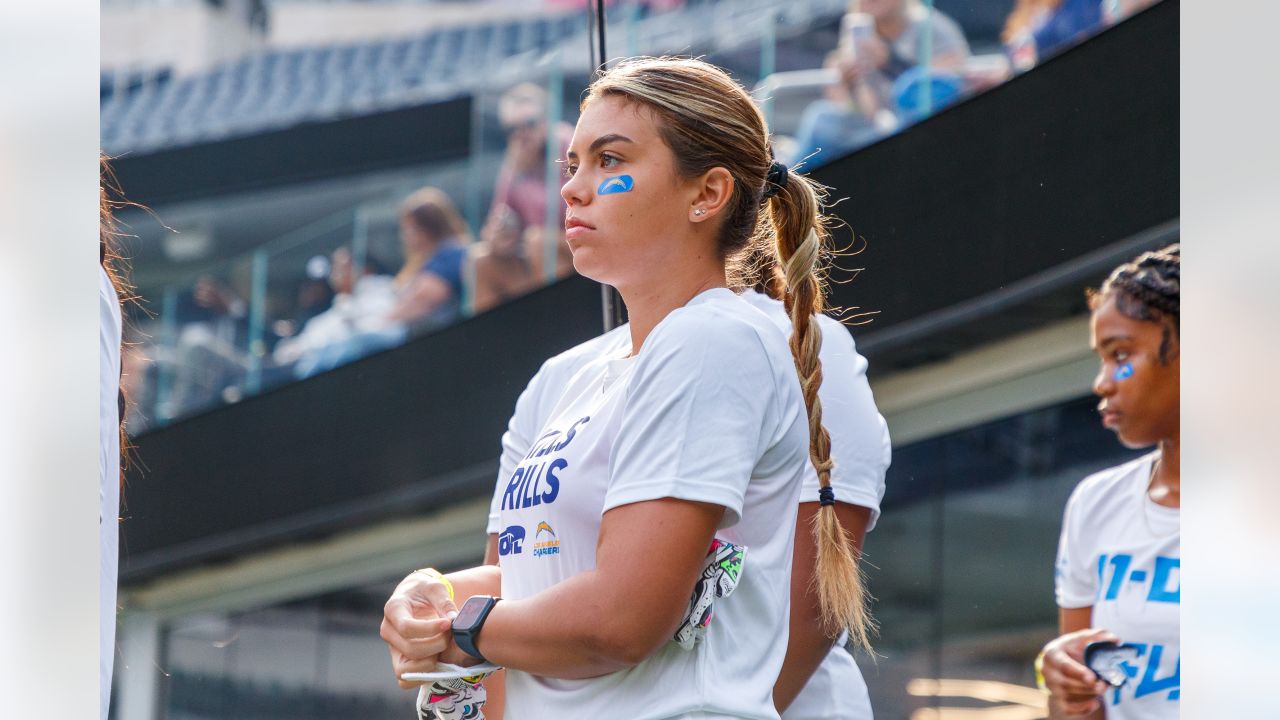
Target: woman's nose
[(1103, 383), (575, 191)]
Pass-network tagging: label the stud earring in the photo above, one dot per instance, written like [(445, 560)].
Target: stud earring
[(699, 212)]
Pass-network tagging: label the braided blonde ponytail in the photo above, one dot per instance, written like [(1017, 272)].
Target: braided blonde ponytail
[(709, 121), (800, 231)]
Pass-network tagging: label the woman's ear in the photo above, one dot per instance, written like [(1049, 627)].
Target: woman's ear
[(714, 190)]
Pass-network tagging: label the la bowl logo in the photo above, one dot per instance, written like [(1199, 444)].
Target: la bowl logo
[(548, 546), (511, 541)]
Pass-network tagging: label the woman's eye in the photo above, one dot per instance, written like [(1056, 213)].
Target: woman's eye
[(1120, 355), (570, 170), (609, 161)]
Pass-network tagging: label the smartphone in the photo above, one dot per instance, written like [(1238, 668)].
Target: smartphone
[(857, 27), (445, 671), (1108, 661)]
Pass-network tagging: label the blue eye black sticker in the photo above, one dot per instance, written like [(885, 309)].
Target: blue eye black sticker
[(620, 184), (1124, 372)]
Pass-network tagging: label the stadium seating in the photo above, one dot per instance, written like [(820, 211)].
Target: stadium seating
[(279, 88)]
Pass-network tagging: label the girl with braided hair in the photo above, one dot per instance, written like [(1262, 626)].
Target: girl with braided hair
[(1119, 556), (697, 434)]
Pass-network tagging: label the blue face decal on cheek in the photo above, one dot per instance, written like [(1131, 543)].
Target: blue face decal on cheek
[(1124, 372), (620, 184)]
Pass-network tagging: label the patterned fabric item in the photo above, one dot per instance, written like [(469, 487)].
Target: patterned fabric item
[(456, 699), (720, 573)]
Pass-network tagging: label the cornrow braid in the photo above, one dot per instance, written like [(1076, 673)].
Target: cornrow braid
[(1147, 289)]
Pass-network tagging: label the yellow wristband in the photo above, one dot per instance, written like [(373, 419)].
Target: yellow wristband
[(439, 576), (1039, 666)]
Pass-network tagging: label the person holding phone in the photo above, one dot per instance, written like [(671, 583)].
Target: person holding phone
[(649, 530), (1119, 556)]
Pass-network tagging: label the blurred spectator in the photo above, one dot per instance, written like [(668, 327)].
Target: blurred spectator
[(510, 258), (522, 181), (314, 296), (372, 311), (499, 264), (433, 237), (353, 326), (1037, 29), (209, 355), (502, 268), (1113, 11), (881, 41), (535, 243)]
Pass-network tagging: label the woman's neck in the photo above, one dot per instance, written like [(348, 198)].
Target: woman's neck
[(646, 307), (1166, 484)]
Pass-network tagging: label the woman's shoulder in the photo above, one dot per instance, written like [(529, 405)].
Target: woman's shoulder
[(1105, 486), (717, 322)]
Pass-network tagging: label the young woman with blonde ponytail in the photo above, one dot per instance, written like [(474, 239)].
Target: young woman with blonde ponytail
[(698, 434)]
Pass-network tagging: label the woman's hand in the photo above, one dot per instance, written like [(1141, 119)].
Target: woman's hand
[(416, 624), (1074, 689)]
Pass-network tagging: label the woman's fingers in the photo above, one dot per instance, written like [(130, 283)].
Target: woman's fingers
[(416, 624), (1065, 676), (1074, 686), (414, 638), (401, 665), (435, 593)]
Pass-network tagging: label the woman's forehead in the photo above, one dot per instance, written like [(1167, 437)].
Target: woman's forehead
[(613, 115), (1108, 321)]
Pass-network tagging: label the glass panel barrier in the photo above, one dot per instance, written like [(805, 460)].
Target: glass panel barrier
[(830, 75)]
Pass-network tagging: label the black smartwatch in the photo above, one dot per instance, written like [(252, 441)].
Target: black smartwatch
[(467, 624)]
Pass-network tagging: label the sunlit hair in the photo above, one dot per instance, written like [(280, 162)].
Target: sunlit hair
[(709, 121), (1147, 289), (432, 212), (116, 266)]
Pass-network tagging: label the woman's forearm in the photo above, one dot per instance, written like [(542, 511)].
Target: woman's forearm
[(483, 580), (614, 616), (572, 630)]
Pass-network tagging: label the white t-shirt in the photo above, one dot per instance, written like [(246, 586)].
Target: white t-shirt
[(709, 411), (1120, 554), (860, 448), (109, 334)]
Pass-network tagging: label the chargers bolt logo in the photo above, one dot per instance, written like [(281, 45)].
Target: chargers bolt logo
[(619, 184), (548, 546)]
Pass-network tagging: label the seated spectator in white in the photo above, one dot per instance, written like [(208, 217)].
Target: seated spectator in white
[(860, 106), (354, 325)]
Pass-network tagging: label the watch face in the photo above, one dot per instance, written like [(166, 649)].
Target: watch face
[(470, 611)]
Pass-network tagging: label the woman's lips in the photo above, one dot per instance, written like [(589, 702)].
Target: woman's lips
[(1110, 419), (575, 228)]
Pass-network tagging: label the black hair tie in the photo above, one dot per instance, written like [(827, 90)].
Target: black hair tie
[(826, 496), (775, 180)]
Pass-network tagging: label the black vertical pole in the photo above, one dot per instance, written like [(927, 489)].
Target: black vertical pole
[(615, 312)]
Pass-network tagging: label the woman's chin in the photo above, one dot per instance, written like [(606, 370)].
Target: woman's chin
[(587, 264)]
